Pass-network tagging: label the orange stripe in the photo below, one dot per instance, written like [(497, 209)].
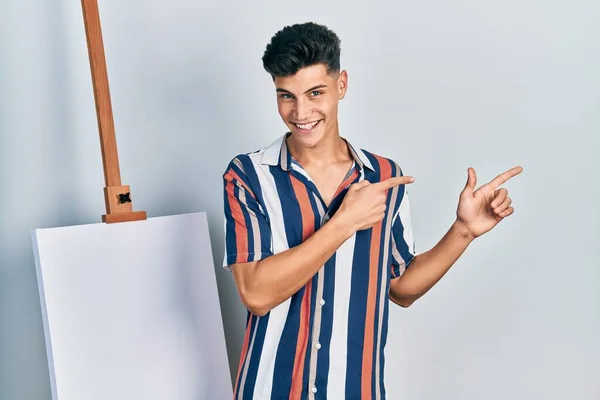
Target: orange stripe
[(241, 233), (244, 353), (367, 365), (235, 176), (308, 216), (307, 230)]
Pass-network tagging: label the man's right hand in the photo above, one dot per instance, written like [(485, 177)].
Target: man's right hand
[(365, 203)]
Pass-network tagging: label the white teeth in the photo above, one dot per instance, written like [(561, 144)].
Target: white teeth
[(307, 127)]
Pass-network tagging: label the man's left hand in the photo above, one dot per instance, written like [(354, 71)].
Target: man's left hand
[(481, 210)]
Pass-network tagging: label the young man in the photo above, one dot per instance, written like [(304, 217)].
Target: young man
[(318, 237)]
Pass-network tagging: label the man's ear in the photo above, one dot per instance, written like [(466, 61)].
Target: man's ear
[(342, 84)]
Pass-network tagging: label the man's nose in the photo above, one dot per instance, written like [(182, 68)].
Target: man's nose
[(302, 111)]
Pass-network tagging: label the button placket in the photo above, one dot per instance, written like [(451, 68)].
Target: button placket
[(316, 333)]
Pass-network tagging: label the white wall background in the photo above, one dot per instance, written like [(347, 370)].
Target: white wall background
[(439, 86)]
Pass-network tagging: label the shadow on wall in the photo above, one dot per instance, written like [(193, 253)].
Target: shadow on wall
[(37, 181)]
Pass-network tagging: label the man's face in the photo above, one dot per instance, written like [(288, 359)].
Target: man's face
[(308, 103)]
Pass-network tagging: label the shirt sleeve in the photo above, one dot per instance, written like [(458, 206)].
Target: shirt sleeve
[(247, 230), (403, 245)]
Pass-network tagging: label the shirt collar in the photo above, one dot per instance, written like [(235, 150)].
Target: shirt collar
[(277, 154)]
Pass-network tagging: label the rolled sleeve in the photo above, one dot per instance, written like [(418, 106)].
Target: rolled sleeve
[(403, 245), (247, 230)]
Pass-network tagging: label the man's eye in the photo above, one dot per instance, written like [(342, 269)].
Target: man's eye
[(285, 96), (316, 93)]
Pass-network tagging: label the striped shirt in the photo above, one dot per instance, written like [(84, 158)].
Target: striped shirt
[(326, 341)]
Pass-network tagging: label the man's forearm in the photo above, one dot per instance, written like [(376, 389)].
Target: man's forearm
[(426, 269), (269, 282)]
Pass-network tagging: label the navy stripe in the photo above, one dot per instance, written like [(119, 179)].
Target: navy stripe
[(384, 331), (323, 359), (286, 350), (375, 163), (230, 236), (292, 213)]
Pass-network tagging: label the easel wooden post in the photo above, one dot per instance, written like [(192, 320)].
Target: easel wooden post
[(119, 207)]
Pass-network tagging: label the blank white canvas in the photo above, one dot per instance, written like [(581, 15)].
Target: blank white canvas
[(131, 311)]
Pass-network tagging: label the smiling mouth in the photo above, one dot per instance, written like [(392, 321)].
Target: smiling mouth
[(306, 127)]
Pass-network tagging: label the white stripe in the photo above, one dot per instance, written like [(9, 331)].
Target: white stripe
[(363, 157), (312, 373), (278, 315), (336, 383), (404, 214), (225, 242), (238, 164), (270, 154)]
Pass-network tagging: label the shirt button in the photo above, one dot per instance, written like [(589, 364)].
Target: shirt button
[(318, 346), (314, 389), (322, 302)]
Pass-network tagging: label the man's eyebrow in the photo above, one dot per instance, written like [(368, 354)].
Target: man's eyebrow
[(309, 90)]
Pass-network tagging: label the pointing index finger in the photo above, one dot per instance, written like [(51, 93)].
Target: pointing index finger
[(505, 176), (395, 181)]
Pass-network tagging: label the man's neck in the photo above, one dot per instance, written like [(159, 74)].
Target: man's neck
[(331, 149)]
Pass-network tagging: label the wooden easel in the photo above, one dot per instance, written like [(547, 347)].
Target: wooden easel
[(117, 197)]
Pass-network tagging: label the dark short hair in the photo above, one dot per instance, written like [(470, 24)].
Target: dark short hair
[(299, 46)]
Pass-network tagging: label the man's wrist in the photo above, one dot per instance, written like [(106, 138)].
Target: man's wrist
[(461, 231), (343, 226)]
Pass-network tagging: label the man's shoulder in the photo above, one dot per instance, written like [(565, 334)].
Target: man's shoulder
[(265, 155), (246, 157)]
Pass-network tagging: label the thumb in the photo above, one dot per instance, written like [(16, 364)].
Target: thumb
[(471, 181), (359, 185)]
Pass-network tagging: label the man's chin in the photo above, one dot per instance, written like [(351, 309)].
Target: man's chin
[(307, 140)]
